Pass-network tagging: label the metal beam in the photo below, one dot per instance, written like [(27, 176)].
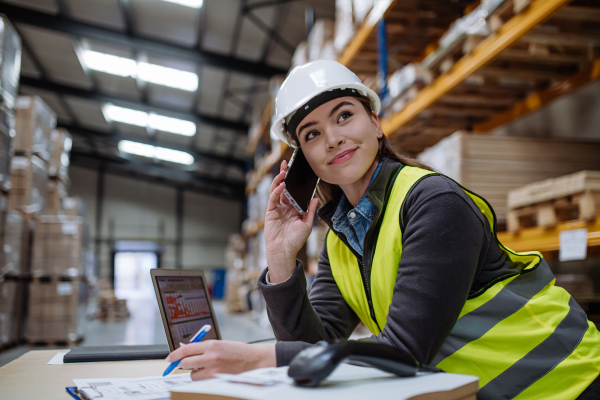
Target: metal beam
[(152, 46), (113, 137), (130, 103), (157, 174)]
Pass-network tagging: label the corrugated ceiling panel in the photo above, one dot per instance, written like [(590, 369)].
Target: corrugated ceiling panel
[(252, 38), (98, 12), (48, 6), (27, 66), (211, 86), (205, 137), (88, 113), (56, 54), (221, 17), (164, 20)]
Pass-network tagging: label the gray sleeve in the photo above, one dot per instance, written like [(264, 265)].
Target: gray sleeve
[(298, 319), (443, 243)]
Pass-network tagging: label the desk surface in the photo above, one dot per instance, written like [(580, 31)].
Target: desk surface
[(28, 377)]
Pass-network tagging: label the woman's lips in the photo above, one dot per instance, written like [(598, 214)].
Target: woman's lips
[(343, 157)]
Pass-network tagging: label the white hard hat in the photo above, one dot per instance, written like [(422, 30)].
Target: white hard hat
[(307, 81)]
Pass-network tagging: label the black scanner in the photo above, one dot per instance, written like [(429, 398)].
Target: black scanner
[(312, 365)]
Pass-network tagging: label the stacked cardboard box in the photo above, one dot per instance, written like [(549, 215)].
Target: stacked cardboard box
[(54, 311), (73, 206), (11, 311), (57, 193), (58, 246), (35, 122), (491, 166), (29, 184), (58, 184)]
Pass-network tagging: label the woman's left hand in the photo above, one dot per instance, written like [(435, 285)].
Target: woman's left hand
[(223, 356)]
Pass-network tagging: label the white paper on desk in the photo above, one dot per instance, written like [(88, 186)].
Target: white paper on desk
[(260, 377), (57, 359), (347, 381), (147, 388)]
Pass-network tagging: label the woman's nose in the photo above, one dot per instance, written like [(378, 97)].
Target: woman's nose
[(334, 139)]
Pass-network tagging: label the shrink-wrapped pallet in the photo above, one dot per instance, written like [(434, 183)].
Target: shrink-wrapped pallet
[(29, 181), (57, 248), (10, 62), (7, 131), (73, 206), (33, 127), (60, 150), (344, 25), (55, 311), (57, 192), (15, 244), (491, 166), (11, 311), (321, 32)]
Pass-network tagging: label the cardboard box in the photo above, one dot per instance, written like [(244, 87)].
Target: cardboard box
[(60, 150), (55, 311), (57, 192), (492, 166), (7, 131), (29, 181), (57, 248), (34, 124), (10, 62)]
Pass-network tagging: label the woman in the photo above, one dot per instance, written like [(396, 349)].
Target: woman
[(411, 254)]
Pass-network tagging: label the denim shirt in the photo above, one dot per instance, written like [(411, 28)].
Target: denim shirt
[(354, 222)]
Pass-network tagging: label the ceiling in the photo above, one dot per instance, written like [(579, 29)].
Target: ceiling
[(234, 46)]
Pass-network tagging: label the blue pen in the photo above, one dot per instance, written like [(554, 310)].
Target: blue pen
[(197, 337)]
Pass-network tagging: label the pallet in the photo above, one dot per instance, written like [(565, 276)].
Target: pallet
[(546, 203), (41, 154)]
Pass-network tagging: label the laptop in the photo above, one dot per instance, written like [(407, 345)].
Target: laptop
[(184, 304)]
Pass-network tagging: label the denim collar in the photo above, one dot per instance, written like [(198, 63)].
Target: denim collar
[(364, 206)]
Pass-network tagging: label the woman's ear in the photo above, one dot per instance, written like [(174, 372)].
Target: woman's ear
[(376, 124)]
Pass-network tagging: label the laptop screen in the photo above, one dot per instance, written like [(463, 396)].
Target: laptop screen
[(186, 307)]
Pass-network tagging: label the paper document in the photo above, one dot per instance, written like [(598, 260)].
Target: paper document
[(147, 388), (261, 376), (57, 359)]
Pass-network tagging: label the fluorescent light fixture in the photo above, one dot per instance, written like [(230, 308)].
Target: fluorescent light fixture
[(150, 120), (152, 73), (125, 115), (110, 64), (173, 125), (171, 77), (187, 3), (160, 153)]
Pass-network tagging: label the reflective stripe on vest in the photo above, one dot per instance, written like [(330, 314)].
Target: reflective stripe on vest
[(522, 336)]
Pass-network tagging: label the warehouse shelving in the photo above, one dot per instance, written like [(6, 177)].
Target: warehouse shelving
[(547, 240)]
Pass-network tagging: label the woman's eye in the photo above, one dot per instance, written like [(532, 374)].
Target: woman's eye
[(344, 116), (311, 135)]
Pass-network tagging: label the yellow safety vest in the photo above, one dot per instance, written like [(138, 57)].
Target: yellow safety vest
[(522, 336)]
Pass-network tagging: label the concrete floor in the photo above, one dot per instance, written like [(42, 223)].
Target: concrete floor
[(144, 326)]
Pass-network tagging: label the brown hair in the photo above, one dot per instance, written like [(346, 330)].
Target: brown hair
[(327, 191)]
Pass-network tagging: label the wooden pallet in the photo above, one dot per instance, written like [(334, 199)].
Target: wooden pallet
[(549, 202)]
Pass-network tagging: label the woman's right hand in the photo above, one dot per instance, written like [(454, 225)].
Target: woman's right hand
[(286, 230)]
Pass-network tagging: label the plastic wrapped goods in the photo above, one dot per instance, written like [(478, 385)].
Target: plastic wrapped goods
[(33, 128), (29, 181), (10, 62), (320, 34), (361, 9), (16, 235), (60, 150), (58, 246), (7, 131), (344, 24), (12, 293), (404, 78), (55, 311)]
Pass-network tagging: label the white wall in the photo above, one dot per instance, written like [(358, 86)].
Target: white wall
[(136, 210)]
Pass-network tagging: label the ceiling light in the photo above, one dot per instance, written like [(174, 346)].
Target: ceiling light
[(110, 64), (160, 153), (171, 77), (188, 3), (152, 73), (149, 120), (125, 115), (173, 125)]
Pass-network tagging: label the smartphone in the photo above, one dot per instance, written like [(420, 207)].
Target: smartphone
[(300, 181)]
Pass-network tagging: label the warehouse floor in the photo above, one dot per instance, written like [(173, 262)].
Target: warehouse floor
[(144, 326)]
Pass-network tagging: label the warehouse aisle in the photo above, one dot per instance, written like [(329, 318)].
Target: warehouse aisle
[(144, 326)]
